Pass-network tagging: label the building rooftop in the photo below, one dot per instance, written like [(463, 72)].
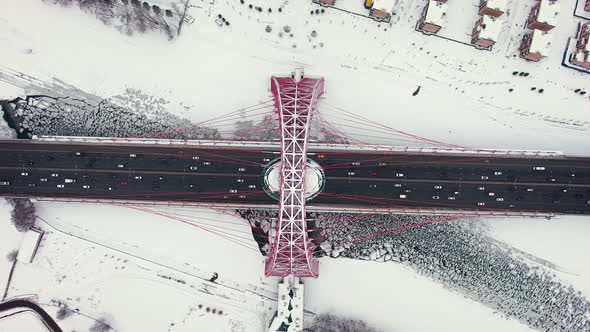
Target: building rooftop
[(437, 12), (548, 11), (384, 5), (541, 42), (490, 28), (497, 4)]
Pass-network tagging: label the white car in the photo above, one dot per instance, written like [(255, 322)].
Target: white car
[(69, 180), (240, 180), (491, 194), (539, 168), (481, 188), (403, 196), (484, 177), (242, 196), (499, 199), (497, 173), (252, 186), (195, 157), (120, 166), (193, 168), (265, 160), (437, 187), (241, 169), (351, 173), (24, 174), (481, 204), (43, 179), (138, 177), (530, 189), (397, 185), (132, 155), (233, 191), (206, 163), (4, 183), (435, 197), (452, 198), (60, 185), (54, 175), (399, 175), (86, 186), (356, 163)]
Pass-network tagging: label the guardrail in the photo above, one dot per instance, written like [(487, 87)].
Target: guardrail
[(312, 208), (313, 147)]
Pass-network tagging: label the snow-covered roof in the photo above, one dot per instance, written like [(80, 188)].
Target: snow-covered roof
[(541, 42), (548, 11), (497, 4), (437, 12), (384, 5), (29, 245), (582, 56), (490, 28)]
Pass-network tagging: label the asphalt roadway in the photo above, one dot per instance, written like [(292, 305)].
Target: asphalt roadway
[(142, 172)]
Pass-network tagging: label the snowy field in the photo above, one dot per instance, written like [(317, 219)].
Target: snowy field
[(21, 321), (393, 298), (559, 242), (121, 262), (372, 72), (10, 240)]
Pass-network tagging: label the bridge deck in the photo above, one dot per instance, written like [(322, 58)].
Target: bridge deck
[(370, 180)]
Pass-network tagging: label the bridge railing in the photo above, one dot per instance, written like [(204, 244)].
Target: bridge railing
[(312, 146)]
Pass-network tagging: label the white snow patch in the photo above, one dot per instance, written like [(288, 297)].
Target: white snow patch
[(392, 298), (10, 239), (21, 321), (562, 241)]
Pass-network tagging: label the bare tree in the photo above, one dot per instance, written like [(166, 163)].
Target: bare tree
[(23, 214), (101, 325), (11, 256), (64, 312), (332, 323), (244, 129), (181, 11)]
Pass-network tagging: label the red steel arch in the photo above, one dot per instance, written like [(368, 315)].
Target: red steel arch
[(291, 252)]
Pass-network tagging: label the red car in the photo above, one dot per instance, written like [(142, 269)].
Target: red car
[(123, 183)]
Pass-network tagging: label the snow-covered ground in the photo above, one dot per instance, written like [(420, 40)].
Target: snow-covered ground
[(121, 262), (561, 242), (21, 321), (393, 298), (372, 71), (10, 240)]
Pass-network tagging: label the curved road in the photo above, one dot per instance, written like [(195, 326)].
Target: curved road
[(43, 315)]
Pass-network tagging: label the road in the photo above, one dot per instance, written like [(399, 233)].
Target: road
[(28, 305), (141, 172)]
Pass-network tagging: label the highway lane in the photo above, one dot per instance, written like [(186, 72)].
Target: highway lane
[(483, 183), (235, 176)]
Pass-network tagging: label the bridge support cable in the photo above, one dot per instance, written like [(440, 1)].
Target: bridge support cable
[(291, 252)]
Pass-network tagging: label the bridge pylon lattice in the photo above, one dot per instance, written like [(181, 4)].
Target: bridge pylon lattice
[(291, 252)]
